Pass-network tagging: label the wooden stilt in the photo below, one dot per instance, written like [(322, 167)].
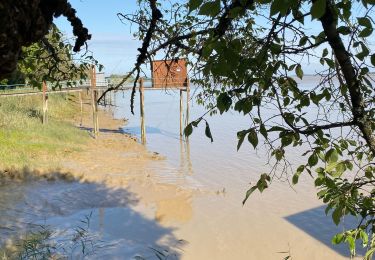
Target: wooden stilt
[(187, 102), (188, 159), (143, 126), (113, 100), (182, 159), (181, 113), (189, 166), (45, 103)]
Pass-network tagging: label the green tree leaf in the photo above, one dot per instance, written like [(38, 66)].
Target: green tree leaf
[(366, 32), (224, 102), (248, 193), (331, 156), (336, 215), (194, 4), (364, 21), (369, 254), (318, 9), (188, 130), (241, 137), (297, 174), (299, 71), (211, 8), (313, 160), (373, 59), (207, 131), (276, 7), (338, 238), (363, 235), (253, 137)]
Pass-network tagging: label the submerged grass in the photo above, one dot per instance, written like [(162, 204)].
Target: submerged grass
[(46, 243), (26, 142)]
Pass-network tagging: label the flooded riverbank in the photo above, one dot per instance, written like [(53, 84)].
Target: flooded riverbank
[(175, 199)]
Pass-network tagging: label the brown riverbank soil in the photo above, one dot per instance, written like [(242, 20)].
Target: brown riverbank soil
[(137, 207), (119, 161), (214, 224)]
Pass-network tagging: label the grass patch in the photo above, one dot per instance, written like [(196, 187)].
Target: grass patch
[(26, 142)]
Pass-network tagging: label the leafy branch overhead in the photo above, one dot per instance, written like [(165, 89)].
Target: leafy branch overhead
[(26, 22), (253, 57), (51, 60)]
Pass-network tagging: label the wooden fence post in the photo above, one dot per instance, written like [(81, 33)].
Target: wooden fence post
[(96, 112), (94, 98), (81, 104), (45, 103), (143, 126)]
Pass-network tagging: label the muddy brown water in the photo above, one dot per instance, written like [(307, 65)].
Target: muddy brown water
[(191, 208)]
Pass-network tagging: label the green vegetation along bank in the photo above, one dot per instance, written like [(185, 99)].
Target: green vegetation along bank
[(26, 142)]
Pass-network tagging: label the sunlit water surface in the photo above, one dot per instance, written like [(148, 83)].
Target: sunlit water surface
[(210, 224)]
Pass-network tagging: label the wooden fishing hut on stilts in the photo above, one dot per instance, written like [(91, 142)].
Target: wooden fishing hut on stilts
[(167, 74)]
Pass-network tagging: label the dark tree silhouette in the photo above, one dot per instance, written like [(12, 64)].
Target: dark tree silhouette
[(24, 22)]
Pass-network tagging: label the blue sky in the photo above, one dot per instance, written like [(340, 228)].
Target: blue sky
[(112, 43)]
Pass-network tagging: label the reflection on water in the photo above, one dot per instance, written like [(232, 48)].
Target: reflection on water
[(150, 130), (219, 169), (207, 160), (113, 217), (195, 197), (185, 161)]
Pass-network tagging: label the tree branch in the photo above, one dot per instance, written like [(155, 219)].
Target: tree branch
[(143, 53), (329, 23)]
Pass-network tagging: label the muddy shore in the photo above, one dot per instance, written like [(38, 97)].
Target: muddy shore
[(117, 160), (119, 185)]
